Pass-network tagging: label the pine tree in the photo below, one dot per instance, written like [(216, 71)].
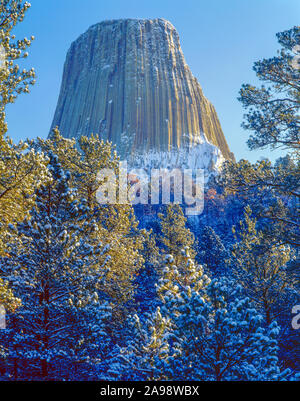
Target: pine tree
[(146, 342), (273, 119), (216, 334), (211, 252), (149, 339), (273, 111), (271, 191), (222, 338), (7, 298), (205, 330), (20, 169), (54, 269), (13, 81), (176, 279), (117, 225), (175, 235)]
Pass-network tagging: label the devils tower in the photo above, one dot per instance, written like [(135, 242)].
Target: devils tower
[(127, 80)]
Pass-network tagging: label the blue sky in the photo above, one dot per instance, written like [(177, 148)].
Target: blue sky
[(220, 39)]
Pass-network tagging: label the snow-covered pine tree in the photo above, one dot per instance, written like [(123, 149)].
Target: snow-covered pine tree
[(183, 277), (272, 117), (211, 252), (214, 333), (174, 234), (221, 338), (53, 267), (21, 172), (117, 224), (7, 298), (145, 293), (147, 340)]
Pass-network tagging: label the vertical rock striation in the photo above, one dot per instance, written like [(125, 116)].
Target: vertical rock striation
[(128, 81)]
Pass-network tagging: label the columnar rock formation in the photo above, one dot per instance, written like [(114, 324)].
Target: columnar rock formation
[(128, 81)]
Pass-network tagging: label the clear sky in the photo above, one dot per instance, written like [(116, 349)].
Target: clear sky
[(220, 39)]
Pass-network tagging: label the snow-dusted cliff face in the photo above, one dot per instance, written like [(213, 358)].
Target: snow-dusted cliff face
[(128, 81)]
